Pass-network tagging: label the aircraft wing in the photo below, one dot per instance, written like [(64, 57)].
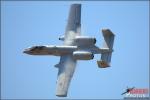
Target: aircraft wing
[(73, 27), (67, 64), (67, 67)]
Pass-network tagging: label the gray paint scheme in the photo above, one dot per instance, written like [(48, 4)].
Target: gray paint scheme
[(75, 47), (67, 63)]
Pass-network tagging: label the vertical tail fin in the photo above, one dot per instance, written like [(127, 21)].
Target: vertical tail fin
[(108, 43), (109, 38)]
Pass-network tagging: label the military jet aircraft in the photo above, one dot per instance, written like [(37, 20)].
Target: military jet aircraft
[(128, 90), (75, 47)]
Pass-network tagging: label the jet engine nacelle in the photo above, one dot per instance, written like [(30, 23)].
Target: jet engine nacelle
[(83, 55), (85, 40), (82, 40)]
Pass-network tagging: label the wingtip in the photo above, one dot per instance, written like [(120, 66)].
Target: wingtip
[(61, 95)]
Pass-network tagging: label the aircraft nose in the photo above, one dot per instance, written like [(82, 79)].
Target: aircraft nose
[(26, 51)]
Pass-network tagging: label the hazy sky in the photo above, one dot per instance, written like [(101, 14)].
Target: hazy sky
[(24, 24)]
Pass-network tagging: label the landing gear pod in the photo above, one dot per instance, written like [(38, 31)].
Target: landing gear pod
[(62, 38)]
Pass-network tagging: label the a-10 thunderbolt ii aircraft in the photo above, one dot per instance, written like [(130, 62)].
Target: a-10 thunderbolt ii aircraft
[(75, 47)]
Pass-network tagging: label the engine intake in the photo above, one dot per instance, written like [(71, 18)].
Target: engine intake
[(83, 55)]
